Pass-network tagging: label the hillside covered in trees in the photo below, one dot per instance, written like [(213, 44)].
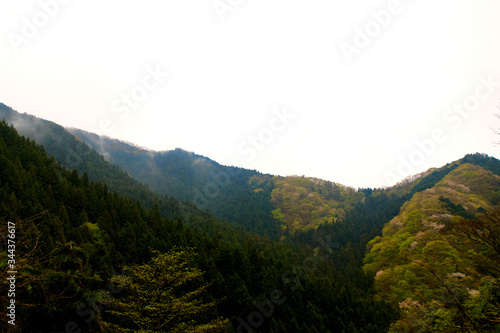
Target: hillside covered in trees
[(438, 260), (263, 253), (74, 237)]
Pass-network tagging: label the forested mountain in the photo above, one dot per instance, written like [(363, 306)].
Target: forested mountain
[(73, 237), (280, 254), (262, 203), (74, 154), (188, 177), (305, 203), (267, 205), (223, 190), (438, 259)]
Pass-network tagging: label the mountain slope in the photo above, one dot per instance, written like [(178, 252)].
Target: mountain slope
[(423, 263), (305, 203), (72, 237), (263, 204), (238, 195), (73, 153), (425, 267), (225, 191), (175, 172)]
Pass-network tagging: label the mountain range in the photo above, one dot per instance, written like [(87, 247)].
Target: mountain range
[(421, 255)]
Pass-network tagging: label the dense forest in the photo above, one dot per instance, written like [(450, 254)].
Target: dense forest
[(223, 190), (439, 259), (74, 238), (190, 178), (98, 251)]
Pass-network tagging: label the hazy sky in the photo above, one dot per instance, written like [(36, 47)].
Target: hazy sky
[(358, 92)]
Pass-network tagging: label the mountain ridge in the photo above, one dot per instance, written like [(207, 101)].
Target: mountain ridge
[(245, 197), (421, 264), (410, 243), (101, 142), (73, 236)]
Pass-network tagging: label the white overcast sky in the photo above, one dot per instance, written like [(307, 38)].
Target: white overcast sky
[(354, 122)]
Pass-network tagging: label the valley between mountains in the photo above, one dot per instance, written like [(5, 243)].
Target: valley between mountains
[(112, 237)]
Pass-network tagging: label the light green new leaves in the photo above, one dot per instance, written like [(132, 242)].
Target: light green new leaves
[(163, 295)]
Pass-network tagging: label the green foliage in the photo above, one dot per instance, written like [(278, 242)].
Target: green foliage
[(304, 203), (486, 162), (456, 209), (223, 190), (76, 232), (158, 298), (439, 270), (430, 261)]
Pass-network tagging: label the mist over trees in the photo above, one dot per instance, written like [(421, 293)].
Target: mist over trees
[(98, 251)]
